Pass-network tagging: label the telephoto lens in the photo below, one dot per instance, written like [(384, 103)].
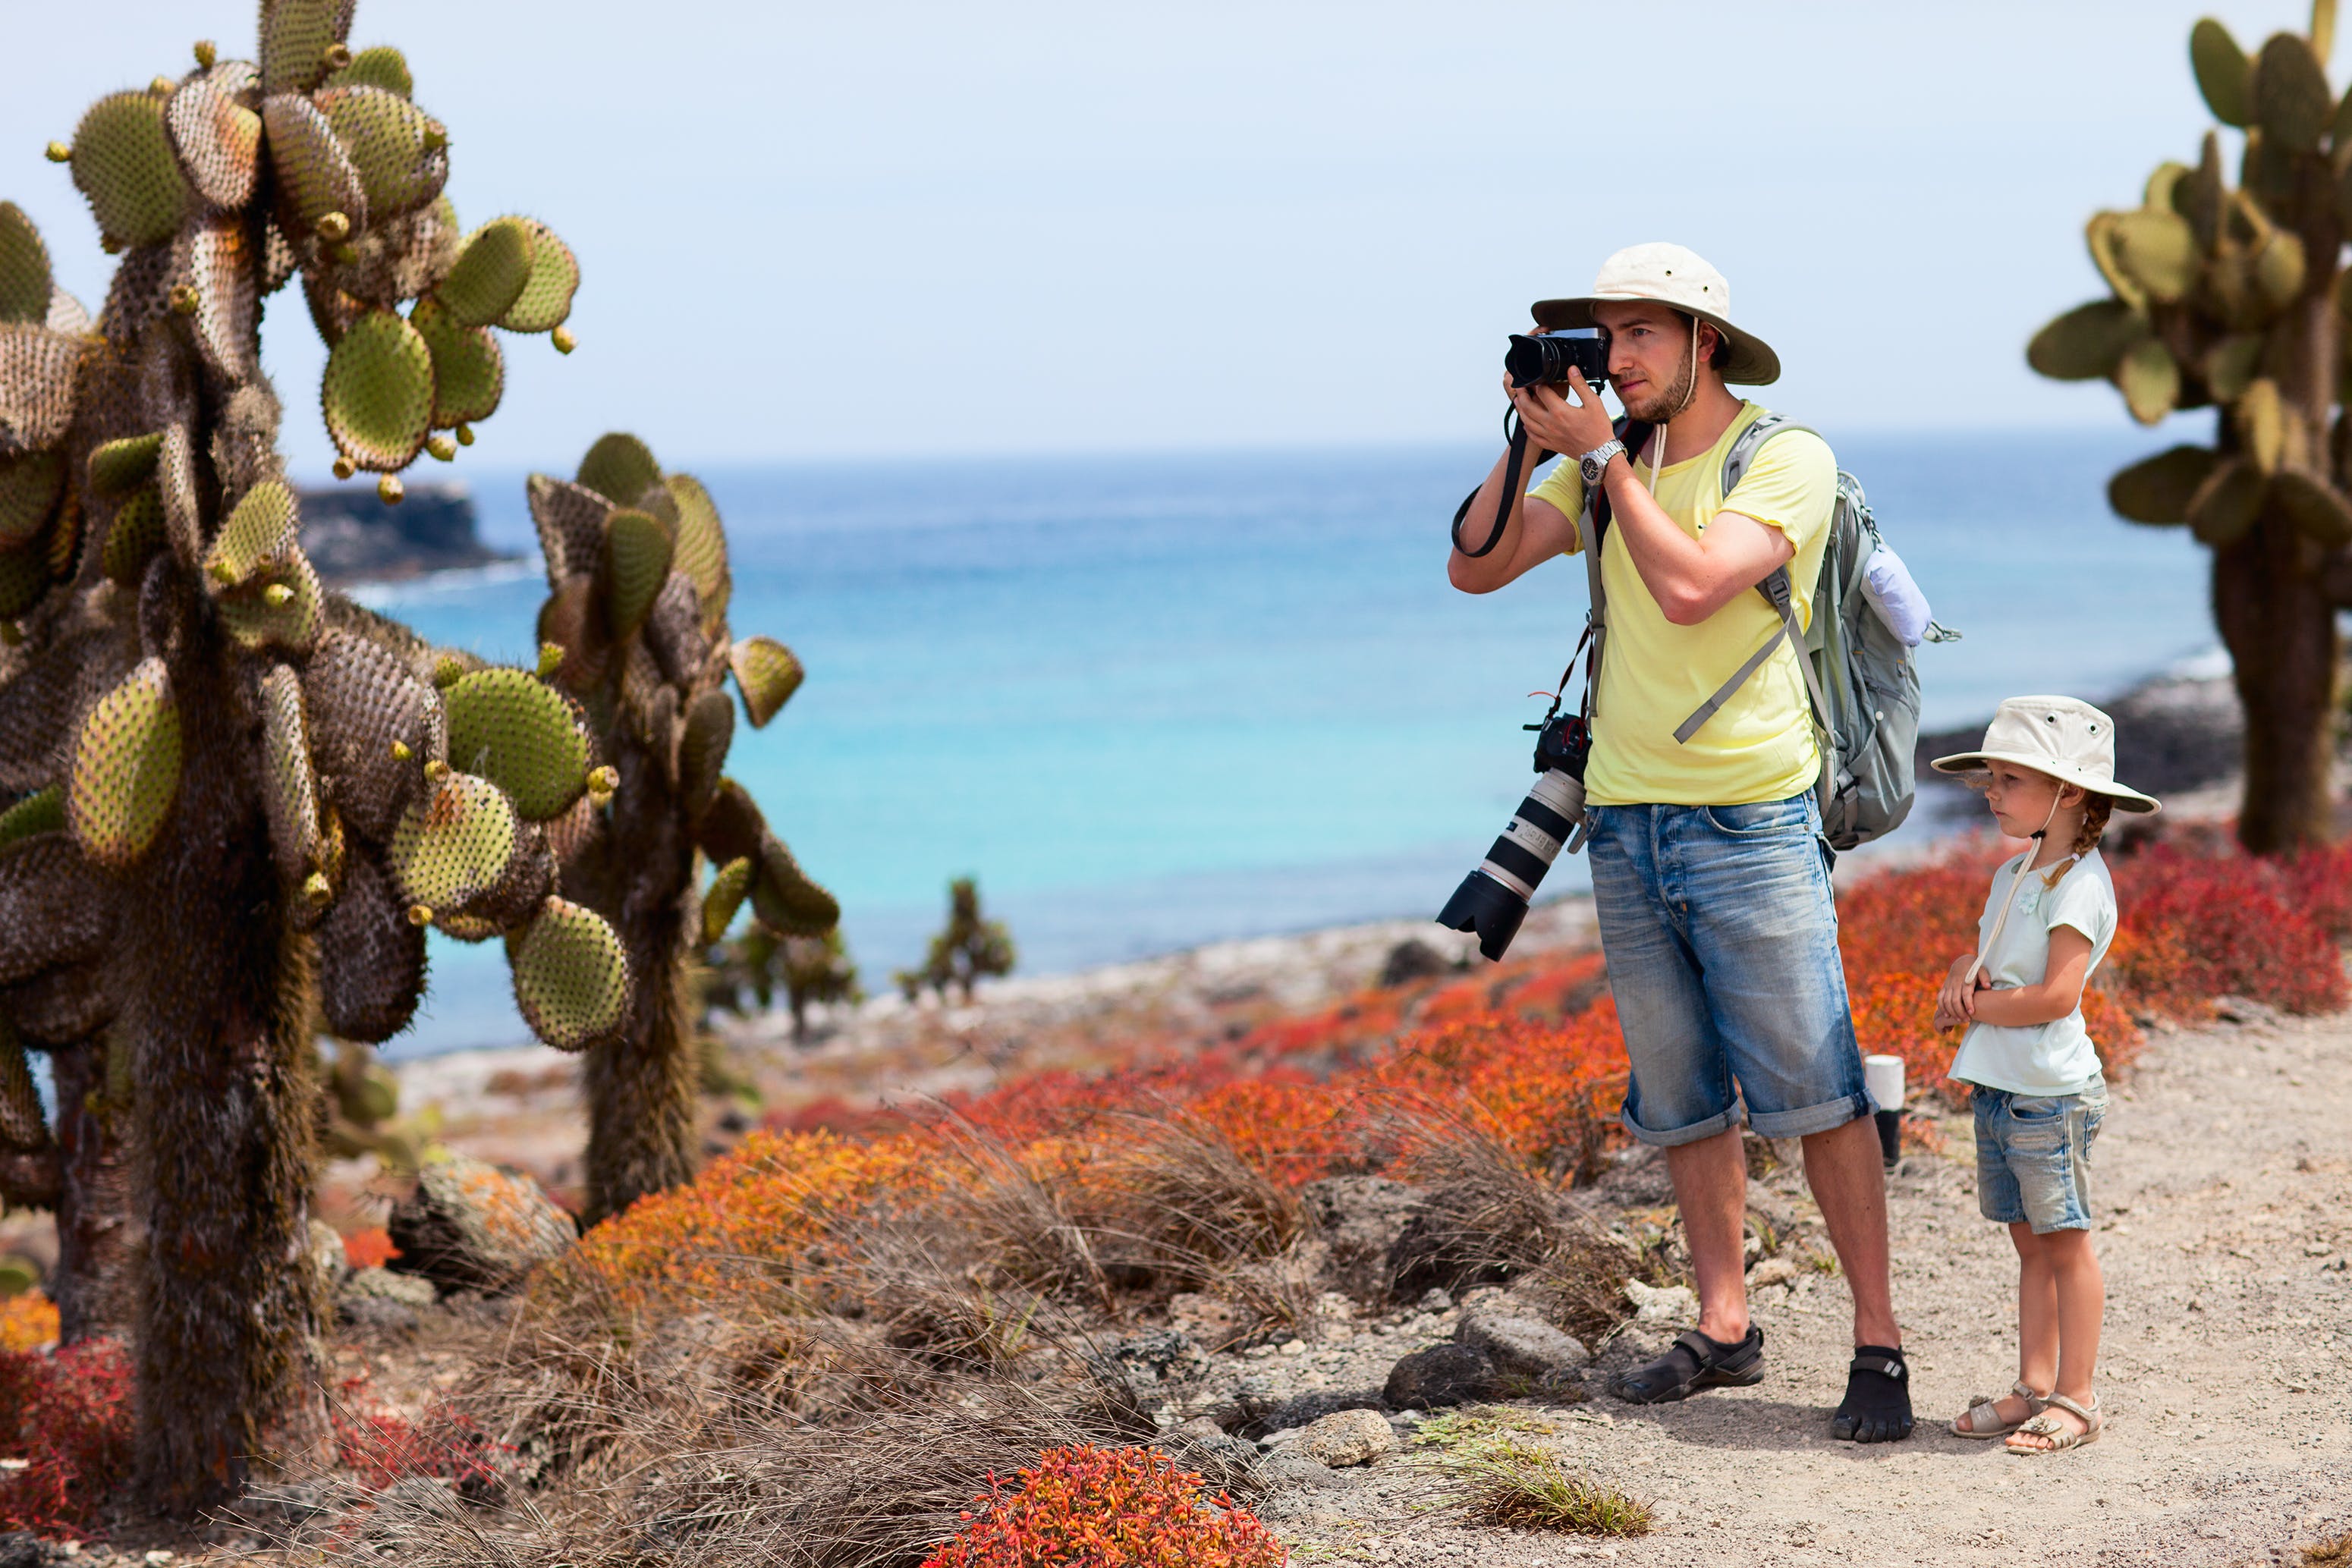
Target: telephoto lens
[(1546, 359), (1493, 899)]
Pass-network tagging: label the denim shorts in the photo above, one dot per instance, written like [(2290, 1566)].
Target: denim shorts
[(2034, 1156), (1721, 936)]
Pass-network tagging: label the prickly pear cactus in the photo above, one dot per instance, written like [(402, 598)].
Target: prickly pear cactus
[(2234, 298), (634, 632), (227, 791)]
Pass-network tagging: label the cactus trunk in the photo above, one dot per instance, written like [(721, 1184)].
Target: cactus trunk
[(96, 1281), (2279, 627)]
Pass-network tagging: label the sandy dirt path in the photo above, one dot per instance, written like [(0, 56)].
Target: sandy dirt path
[(2224, 1194)]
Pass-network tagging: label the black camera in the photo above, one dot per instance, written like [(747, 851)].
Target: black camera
[(1545, 360), (1493, 899)]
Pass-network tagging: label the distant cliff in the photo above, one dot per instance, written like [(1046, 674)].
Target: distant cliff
[(352, 537)]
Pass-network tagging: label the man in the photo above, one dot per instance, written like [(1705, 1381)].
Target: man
[(1712, 887)]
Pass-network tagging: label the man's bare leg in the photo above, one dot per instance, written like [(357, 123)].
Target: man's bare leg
[(1711, 1189), (1848, 1176)]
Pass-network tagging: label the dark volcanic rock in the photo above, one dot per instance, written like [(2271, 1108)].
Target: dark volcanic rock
[(1413, 959), (472, 1226), (1306, 1409), (1440, 1376), (352, 537), (1360, 1218)]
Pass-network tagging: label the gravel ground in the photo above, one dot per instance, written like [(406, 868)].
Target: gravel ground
[(2225, 1215)]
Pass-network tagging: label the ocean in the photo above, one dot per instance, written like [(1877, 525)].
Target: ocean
[(1156, 701)]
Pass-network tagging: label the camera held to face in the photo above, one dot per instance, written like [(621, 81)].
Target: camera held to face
[(1546, 359)]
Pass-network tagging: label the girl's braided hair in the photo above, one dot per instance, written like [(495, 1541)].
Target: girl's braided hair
[(2096, 809)]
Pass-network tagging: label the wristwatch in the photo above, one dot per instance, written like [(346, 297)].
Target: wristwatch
[(1595, 462)]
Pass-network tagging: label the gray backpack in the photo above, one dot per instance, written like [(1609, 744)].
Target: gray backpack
[(1863, 686)]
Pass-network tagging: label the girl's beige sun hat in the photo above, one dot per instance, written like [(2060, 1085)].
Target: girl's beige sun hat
[(1675, 276), (2065, 738)]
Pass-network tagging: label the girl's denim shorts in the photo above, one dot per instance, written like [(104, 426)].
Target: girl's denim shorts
[(2034, 1156)]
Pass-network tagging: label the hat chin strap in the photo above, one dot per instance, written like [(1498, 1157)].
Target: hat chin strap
[(1690, 391), (2008, 900)]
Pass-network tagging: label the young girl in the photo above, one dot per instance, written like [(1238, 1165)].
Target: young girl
[(2047, 769)]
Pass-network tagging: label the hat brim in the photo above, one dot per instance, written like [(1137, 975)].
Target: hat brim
[(1751, 362), (1973, 761)]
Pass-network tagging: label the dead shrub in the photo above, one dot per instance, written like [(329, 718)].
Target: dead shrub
[(1178, 1199), (1486, 1219)]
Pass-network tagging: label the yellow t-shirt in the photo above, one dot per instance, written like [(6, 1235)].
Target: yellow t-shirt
[(1655, 674)]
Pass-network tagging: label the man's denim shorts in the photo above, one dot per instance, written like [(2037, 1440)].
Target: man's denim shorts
[(1721, 936), (2034, 1156)]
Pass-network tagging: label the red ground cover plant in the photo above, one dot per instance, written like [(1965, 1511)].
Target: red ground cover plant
[(68, 1415), (2197, 926), (381, 1446), (370, 1249), (1107, 1508)]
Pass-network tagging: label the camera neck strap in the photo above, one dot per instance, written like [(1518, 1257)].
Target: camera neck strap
[(1593, 527), (1515, 468)]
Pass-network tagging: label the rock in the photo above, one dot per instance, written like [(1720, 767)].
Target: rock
[(329, 1265), (23, 1549), (1522, 1346), (1674, 1305), (1163, 1355), (378, 1315), (1360, 1218), (1347, 1438), (1439, 1377), (1224, 1461), (1636, 1178), (1297, 1472), (1409, 960), (382, 1284), (1435, 1299), (1306, 1409), (472, 1226), (1772, 1272)]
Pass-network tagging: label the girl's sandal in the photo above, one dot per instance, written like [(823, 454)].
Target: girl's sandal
[(2059, 1435), (1982, 1418)]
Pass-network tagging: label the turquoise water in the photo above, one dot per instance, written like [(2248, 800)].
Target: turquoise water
[(1158, 701)]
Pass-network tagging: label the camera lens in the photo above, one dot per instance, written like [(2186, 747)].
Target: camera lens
[(1545, 360), (1493, 899)]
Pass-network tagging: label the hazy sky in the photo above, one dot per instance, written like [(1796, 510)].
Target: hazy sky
[(814, 231)]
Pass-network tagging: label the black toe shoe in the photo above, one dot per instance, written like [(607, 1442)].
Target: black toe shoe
[(1693, 1365), (1878, 1408)]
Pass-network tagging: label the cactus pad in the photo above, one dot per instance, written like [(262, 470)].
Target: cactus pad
[(371, 959), (2262, 420), (396, 148), (637, 559), (2149, 379), (258, 531), (382, 66), (2157, 489), (38, 369), (2291, 99), (2158, 249), (767, 675), (728, 888), (25, 284), (2226, 505), (42, 813), (786, 899), (620, 468), (219, 139), (123, 164), (514, 729), (2230, 365), (373, 725), (491, 275), (126, 768), (673, 630), (378, 393), (454, 845), (570, 520), (702, 750), (2223, 73), (295, 37), (545, 301), (291, 791), (315, 174), (119, 468), (24, 578), (701, 546), (133, 538), (29, 487), (2317, 508), (570, 977), (282, 608), (468, 371)]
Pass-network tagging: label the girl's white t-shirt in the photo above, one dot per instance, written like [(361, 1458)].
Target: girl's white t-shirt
[(2055, 1058)]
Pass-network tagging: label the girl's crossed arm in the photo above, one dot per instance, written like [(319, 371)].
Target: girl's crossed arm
[(2060, 991)]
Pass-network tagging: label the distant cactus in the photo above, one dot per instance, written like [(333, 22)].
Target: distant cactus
[(635, 631), (230, 789), (967, 950), (2236, 299), (808, 970)]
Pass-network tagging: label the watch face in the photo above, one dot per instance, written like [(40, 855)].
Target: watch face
[(1592, 469)]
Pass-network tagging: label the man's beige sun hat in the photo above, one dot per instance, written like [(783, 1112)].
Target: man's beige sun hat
[(2069, 739), (1671, 274)]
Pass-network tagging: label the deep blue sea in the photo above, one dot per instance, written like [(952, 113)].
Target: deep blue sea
[(1157, 701)]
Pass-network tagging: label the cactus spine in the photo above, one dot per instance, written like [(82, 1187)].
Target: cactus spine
[(228, 787)]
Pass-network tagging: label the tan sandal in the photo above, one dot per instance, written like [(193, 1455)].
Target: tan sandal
[(1982, 1418), (2059, 1436)]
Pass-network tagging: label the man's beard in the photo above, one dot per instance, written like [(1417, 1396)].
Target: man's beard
[(1669, 402)]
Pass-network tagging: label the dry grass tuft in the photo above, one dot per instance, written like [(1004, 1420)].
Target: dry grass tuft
[(1521, 1487), (2335, 1553)]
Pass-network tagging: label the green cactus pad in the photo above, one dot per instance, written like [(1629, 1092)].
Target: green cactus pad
[(636, 561), (2279, 270), (24, 578), (468, 370), (126, 768), (2223, 73), (133, 538), (514, 729), (454, 843), (701, 546), (784, 898), (621, 468), (571, 976), (292, 626), (119, 468), (2262, 418), (767, 675), (2087, 343), (38, 369), (397, 147), (258, 531), (2162, 183), (292, 792), (29, 487), (2158, 249), (732, 829), (728, 888), (42, 813), (218, 137), (2227, 504), (2201, 196), (295, 37), (2229, 366), (2316, 508), (2149, 381), (315, 174), (378, 393), (382, 66), (545, 302), (702, 750), (123, 164), (25, 284), (2291, 103), (2157, 490), (491, 275)]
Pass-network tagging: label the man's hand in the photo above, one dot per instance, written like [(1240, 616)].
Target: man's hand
[(1571, 429)]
